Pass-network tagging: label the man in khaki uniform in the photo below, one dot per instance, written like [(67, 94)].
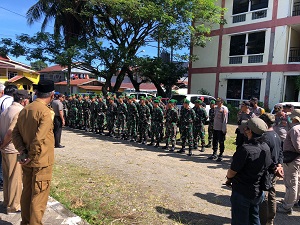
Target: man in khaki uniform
[(12, 171), (33, 138)]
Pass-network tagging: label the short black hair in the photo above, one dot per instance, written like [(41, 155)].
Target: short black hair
[(10, 89)]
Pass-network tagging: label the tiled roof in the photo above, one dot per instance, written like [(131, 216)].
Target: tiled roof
[(52, 69), (92, 88), (144, 86), (4, 58), (75, 82), (16, 78)]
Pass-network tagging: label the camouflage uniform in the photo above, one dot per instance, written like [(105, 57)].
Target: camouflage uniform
[(121, 119), (198, 129), (132, 121), (86, 113), (157, 125), (73, 112), (93, 109), (187, 117), (144, 122), (211, 115), (101, 109), (80, 117), (111, 114), (171, 127)]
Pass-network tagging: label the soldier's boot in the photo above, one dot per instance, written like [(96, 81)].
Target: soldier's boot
[(157, 145), (166, 147), (202, 148), (151, 143), (190, 152), (108, 134), (220, 158), (144, 141), (172, 148), (182, 150), (195, 146), (208, 145)]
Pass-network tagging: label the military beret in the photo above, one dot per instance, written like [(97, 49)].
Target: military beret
[(133, 96), (73, 95), (45, 86), (186, 101), (172, 101), (212, 102), (142, 98), (79, 95), (156, 101), (159, 97), (130, 97), (121, 96), (149, 97), (198, 101), (257, 125)]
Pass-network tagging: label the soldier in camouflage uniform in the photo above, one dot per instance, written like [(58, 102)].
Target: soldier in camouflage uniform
[(111, 114), (121, 118), (198, 129), (171, 125), (163, 107), (73, 112), (148, 102), (132, 119), (211, 115), (86, 112), (101, 110), (187, 117), (138, 108), (80, 117), (156, 124), (69, 110), (93, 109), (144, 120)]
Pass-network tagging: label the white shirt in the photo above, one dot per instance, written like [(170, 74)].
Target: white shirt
[(5, 102)]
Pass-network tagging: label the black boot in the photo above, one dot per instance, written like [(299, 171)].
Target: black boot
[(172, 148), (157, 145), (208, 145), (151, 143), (202, 148), (190, 152), (166, 147), (182, 150)]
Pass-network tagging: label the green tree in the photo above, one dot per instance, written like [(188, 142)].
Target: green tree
[(38, 65)]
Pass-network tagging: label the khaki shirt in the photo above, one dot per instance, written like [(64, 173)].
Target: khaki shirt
[(34, 132), (292, 141), (8, 121)]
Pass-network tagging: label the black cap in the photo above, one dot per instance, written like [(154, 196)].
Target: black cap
[(45, 86), (22, 94), (246, 103)]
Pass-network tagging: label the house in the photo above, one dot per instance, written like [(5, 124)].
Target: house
[(17, 73), (80, 86), (256, 53), (58, 73)]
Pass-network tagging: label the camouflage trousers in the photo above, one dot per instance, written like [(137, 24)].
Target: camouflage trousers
[(156, 131), (73, 117), (121, 124), (131, 125), (100, 121), (93, 121), (210, 131), (143, 130), (111, 124), (199, 134), (171, 133), (87, 119), (80, 119), (187, 134)]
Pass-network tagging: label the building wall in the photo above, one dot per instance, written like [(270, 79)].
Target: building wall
[(206, 81), (276, 88), (281, 45)]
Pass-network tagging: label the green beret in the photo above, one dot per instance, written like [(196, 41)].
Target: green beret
[(186, 101), (79, 95), (73, 95), (198, 101), (159, 97), (130, 97), (133, 96), (156, 101), (212, 102), (149, 97), (142, 98), (121, 96), (172, 101)]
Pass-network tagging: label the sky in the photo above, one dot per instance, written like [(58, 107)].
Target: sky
[(13, 22)]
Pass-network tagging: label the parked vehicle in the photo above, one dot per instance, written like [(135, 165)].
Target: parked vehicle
[(141, 94), (295, 104), (192, 98)]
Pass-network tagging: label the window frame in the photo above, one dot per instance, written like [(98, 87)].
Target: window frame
[(242, 89)]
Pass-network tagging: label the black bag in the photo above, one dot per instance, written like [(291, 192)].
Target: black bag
[(289, 156), (266, 180)]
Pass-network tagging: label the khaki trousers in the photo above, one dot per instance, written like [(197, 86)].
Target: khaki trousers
[(291, 181), (12, 182), (36, 188)]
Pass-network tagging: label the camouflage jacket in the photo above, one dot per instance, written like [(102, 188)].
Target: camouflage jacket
[(93, 107), (201, 115), (171, 116), (111, 110), (122, 109), (158, 115), (132, 110), (101, 108), (144, 113), (187, 116)]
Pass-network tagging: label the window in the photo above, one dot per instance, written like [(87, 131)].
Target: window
[(259, 4), (243, 6), (251, 45), (243, 89), (12, 74)]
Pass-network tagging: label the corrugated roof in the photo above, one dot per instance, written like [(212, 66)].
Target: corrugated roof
[(52, 69)]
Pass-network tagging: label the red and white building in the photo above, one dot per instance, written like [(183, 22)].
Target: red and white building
[(257, 53)]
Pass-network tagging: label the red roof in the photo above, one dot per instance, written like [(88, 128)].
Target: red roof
[(53, 69), (4, 59), (143, 86), (75, 82), (92, 88), (15, 78)]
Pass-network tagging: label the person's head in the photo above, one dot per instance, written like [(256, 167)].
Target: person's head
[(186, 103), (198, 103), (278, 108), (295, 116), (159, 98), (171, 103), (2, 87), (45, 90), (111, 100), (268, 118), (254, 128), (61, 97), (129, 99), (245, 105), (219, 102), (142, 100), (212, 104), (253, 102), (10, 89), (155, 103), (288, 108), (22, 97)]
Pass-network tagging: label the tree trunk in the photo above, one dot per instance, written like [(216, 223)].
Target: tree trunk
[(168, 91), (120, 79), (160, 91), (134, 82), (69, 91)]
